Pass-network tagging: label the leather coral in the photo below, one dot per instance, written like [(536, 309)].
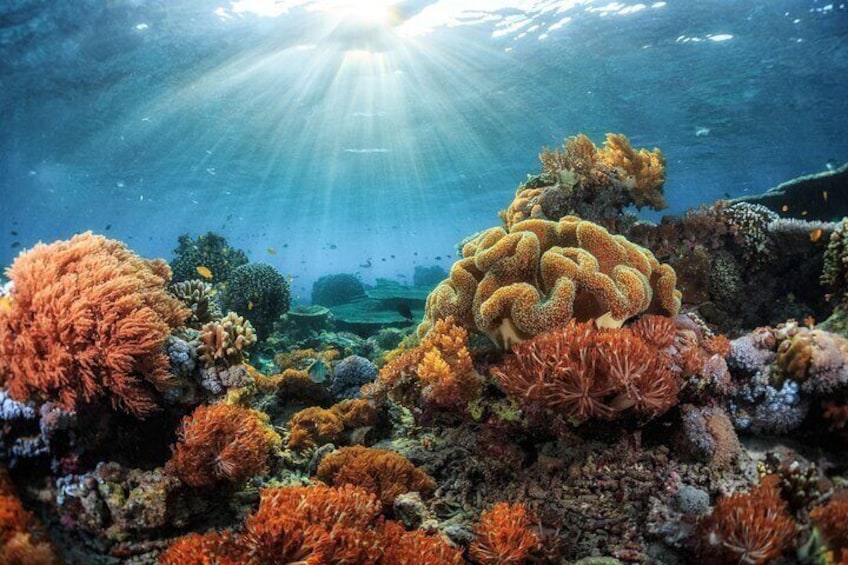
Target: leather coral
[(88, 319), (536, 276)]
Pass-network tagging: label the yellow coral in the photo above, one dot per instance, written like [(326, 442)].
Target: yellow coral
[(643, 170), (536, 276)]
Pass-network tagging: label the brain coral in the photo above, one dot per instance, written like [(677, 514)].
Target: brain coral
[(539, 274), (88, 319), (258, 292)]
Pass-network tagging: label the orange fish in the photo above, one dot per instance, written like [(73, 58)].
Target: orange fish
[(784, 208), (272, 251), (809, 321), (204, 272), (815, 235)]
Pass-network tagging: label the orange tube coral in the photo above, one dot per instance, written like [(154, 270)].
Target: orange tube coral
[(88, 319)]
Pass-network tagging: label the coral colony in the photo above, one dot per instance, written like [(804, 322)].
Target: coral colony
[(582, 387)]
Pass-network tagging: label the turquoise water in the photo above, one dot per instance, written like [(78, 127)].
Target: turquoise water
[(348, 134)]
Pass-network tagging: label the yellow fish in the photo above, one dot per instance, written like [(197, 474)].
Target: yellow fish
[(5, 303), (824, 195), (250, 304), (784, 208), (204, 272), (272, 251), (815, 235)]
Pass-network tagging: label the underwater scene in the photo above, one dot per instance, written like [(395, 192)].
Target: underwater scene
[(402, 282)]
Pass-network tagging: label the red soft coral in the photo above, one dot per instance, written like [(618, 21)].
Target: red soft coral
[(504, 536), (221, 444), (88, 319), (752, 527)]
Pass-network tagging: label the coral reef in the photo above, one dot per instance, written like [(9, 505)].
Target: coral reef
[(332, 290), (209, 250), (221, 444), (350, 374), (258, 292), (594, 183), (378, 471), (88, 320), (222, 349), (538, 275)]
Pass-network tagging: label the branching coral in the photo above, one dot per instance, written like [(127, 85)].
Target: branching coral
[(378, 471), (581, 372), (753, 527), (536, 276), (590, 182), (225, 342), (88, 319), (199, 297), (437, 374), (504, 536), (222, 444)]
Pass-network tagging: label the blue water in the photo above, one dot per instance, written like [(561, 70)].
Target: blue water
[(334, 138)]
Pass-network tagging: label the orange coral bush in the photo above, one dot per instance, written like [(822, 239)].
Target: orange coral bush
[(316, 526), (23, 540), (752, 527), (316, 426), (831, 519), (643, 171), (537, 276), (437, 373), (384, 473), (503, 536), (582, 372), (88, 319), (222, 444)]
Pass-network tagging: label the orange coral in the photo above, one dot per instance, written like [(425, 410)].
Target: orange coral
[(437, 373), (643, 171), (832, 521), (222, 444), (503, 535), (753, 527), (315, 526), (23, 541), (225, 342), (314, 426), (382, 472), (582, 372), (536, 276), (88, 319)]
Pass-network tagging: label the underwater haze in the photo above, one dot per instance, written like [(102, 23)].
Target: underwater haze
[(372, 136)]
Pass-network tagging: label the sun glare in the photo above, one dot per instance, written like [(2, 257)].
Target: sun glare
[(373, 12)]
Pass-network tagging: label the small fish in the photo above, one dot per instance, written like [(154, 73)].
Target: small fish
[(250, 304), (15, 244), (13, 232), (727, 195), (291, 279), (438, 257), (815, 235), (809, 321), (415, 253), (392, 256), (333, 246), (108, 227), (784, 208), (285, 245), (272, 251), (404, 310), (824, 195), (383, 259), (204, 272), (366, 264), (804, 213)]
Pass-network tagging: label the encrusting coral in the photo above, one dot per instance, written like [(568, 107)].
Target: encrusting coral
[(581, 372), (593, 183), (88, 319), (316, 426), (221, 444), (378, 471), (538, 275), (504, 536)]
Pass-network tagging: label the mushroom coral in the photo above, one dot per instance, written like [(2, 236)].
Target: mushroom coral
[(536, 276)]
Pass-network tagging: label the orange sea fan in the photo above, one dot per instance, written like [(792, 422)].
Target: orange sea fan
[(504, 535), (384, 473), (88, 319), (753, 527), (221, 444)]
